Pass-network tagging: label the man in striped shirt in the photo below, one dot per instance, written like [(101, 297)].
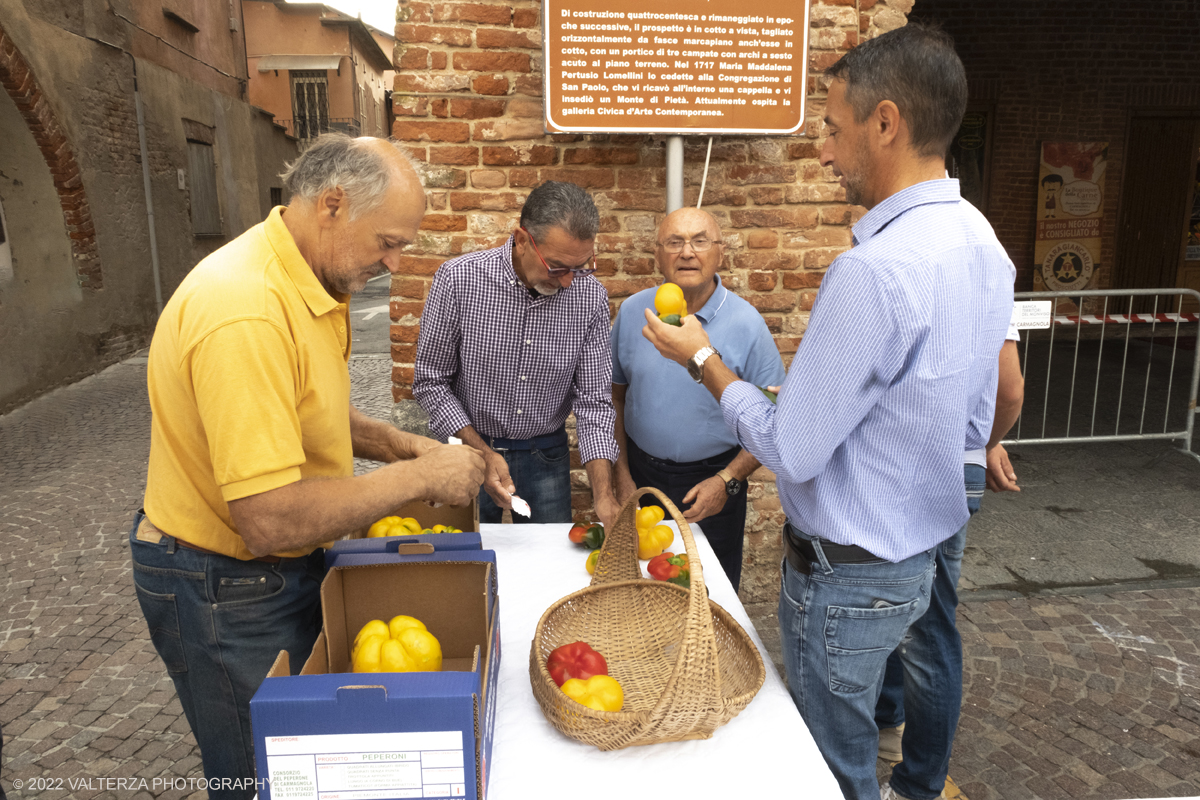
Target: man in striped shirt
[(868, 435), (512, 340)]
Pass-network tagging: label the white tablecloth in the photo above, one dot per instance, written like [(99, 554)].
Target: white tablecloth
[(766, 751)]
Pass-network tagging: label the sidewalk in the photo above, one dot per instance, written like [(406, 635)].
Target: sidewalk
[(1070, 692)]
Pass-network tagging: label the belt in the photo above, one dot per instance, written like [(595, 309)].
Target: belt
[(556, 439), (147, 530), (720, 460), (801, 554)]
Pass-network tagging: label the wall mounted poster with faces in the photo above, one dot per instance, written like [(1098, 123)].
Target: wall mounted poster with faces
[(1069, 209)]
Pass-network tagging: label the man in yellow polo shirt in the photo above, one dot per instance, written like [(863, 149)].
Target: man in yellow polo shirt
[(253, 439)]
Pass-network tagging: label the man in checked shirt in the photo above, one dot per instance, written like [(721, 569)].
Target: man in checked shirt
[(512, 340)]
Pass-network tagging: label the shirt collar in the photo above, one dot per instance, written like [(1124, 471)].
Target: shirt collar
[(942, 190), (715, 301), (318, 300)]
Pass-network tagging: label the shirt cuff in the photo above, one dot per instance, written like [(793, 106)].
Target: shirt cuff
[(606, 448), (448, 420), (737, 397)]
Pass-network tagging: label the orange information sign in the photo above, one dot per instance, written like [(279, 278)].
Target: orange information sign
[(675, 66)]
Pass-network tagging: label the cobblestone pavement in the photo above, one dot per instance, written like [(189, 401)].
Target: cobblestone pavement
[(1088, 695)]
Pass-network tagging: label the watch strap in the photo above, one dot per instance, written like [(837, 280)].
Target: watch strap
[(696, 362), (725, 475)]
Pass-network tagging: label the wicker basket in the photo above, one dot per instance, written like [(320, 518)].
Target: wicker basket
[(686, 666)]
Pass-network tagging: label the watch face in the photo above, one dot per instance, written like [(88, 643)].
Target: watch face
[(733, 487)]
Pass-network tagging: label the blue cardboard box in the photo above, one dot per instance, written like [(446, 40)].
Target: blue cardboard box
[(404, 545), (329, 733)]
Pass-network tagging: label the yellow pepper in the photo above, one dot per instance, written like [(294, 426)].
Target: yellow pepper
[(652, 537), (670, 304), (394, 526), (599, 692), (590, 566), (402, 645)]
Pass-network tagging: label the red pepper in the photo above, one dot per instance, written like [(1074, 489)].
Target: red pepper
[(670, 568), (575, 660), (590, 536)]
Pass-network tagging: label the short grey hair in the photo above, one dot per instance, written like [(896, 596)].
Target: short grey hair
[(335, 159), (917, 68), (555, 204)]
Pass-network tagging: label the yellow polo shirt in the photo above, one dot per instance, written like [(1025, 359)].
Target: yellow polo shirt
[(249, 387)]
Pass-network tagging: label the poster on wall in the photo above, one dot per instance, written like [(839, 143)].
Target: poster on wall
[(1070, 207), (675, 66)]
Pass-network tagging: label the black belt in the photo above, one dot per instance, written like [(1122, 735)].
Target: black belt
[(801, 554), (556, 439)]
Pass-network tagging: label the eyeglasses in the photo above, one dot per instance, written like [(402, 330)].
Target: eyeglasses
[(675, 244), (557, 272)]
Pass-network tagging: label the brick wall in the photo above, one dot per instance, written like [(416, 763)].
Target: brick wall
[(1056, 71), (22, 87), (468, 101)]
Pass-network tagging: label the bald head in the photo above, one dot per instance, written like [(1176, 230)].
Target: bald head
[(689, 219)]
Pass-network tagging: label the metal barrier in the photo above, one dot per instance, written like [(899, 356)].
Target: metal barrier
[(1099, 312)]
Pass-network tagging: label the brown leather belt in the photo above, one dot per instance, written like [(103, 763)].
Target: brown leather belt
[(148, 531), (801, 554)]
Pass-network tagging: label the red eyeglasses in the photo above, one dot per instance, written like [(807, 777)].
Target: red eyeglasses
[(557, 272)]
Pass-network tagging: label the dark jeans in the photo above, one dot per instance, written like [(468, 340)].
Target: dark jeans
[(725, 530), (542, 478), (218, 624), (926, 684)]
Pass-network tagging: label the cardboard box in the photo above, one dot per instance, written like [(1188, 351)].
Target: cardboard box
[(465, 518), (330, 733), (404, 545)]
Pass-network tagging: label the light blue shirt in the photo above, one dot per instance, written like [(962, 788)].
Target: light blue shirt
[(668, 414), (901, 350)]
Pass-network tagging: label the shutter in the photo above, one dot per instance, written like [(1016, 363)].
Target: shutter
[(206, 211)]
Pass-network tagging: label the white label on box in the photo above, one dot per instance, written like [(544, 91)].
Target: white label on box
[(366, 766), (1029, 314)]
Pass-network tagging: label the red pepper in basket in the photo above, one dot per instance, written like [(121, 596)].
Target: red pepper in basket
[(575, 660), (670, 568)]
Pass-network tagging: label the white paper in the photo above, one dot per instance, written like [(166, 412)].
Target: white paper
[(1030, 314), (520, 506)]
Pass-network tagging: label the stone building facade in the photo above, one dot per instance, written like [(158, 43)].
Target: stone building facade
[(78, 285)]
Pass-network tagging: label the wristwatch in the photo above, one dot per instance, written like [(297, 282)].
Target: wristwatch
[(695, 364), (732, 484)]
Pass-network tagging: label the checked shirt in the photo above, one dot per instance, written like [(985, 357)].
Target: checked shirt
[(511, 365)]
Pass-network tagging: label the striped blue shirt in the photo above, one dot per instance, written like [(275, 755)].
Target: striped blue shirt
[(901, 350)]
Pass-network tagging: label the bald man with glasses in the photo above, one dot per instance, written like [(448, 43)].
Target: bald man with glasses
[(669, 428), (514, 339)]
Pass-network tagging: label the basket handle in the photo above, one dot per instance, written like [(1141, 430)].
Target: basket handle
[(696, 669), (618, 559)]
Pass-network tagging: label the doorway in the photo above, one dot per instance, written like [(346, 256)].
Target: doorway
[(1156, 202)]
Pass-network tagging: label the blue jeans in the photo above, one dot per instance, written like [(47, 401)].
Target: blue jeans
[(924, 675), (542, 478), (838, 626), (218, 624)]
